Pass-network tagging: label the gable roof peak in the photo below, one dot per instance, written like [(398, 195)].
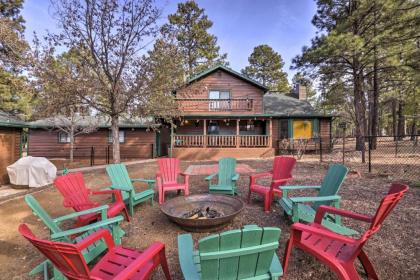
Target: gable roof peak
[(216, 67)]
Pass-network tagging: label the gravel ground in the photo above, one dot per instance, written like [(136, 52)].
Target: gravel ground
[(393, 250)]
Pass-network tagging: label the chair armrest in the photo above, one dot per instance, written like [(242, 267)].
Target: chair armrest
[(100, 209), (289, 188), (184, 174), (121, 188), (320, 231), (208, 178), (148, 181), (186, 178), (149, 254), (284, 180), (96, 225), (344, 213), (186, 256), (315, 198), (97, 235), (262, 174), (117, 193), (235, 177)]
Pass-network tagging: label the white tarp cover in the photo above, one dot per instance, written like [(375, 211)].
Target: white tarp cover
[(32, 171)]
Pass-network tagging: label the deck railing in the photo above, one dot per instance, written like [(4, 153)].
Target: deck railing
[(214, 105), (221, 141)]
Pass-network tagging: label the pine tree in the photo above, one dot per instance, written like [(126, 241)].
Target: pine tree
[(199, 48), (265, 66)]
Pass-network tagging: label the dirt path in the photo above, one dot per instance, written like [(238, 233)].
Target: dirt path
[(394, 250)]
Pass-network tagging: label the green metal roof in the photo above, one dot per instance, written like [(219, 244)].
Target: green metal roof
[(8, 120), (228, 70), (99, 121)]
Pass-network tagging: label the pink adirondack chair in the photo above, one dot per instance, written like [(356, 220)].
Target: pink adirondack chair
[(167, 177), (118, 263), (280, 175), (76, 195), (337, 251)]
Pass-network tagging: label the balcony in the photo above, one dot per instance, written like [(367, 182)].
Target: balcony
[(221, 141), (206, 105)]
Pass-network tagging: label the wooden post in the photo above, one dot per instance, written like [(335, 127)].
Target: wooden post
[(270, 138), (205, 133), (238, 138)]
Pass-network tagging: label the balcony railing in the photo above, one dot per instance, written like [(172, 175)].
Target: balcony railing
[(221, 141), (214, 105)]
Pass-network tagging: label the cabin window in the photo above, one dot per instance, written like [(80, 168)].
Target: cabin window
[(121, 136), (63, 137), (302, 129), (283, 129), (220, 100)]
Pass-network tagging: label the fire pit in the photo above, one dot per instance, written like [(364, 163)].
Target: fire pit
[(202, 212)]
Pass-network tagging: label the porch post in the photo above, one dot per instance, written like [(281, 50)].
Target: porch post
[(238, 138), (205, 133), (270, 137)]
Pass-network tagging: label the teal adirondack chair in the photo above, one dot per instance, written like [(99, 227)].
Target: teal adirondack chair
[(226, 177), (74, 235), (249, 253), (120, 180), (304, 208)]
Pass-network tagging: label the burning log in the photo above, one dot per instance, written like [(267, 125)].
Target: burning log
[(201, 213)]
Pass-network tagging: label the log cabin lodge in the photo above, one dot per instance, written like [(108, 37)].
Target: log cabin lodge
[(222, 113), (11, 129)]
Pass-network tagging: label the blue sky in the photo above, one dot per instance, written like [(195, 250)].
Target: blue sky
[(239, 25)]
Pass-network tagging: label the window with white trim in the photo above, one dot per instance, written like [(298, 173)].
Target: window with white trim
[(121, 136), (63, 137)]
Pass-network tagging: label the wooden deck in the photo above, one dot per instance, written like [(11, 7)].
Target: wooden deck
[(222, 141)]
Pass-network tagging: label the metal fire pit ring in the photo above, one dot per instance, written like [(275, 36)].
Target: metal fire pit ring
[(176, 207)]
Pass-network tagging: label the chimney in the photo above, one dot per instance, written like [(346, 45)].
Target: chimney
[(300, 92)]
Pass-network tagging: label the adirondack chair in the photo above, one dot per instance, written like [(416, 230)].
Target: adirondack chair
[(76, 195), (300, 210), (118, 263), (226, 177), (337, 251), (74, 235), (120, 179), (167, 177), (280, 175), (249, 253)]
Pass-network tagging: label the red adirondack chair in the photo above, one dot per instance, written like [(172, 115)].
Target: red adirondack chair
[(76, 195), (118, 263), (280, 174), (167, 177), (337, 251)]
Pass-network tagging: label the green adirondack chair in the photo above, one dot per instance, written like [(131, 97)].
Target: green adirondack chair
[(74, 235), (249, 253), (304, 208), (226, 177), (120, 180)]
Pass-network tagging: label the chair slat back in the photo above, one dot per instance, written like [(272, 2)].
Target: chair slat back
[(72, 187), (65, 256), (283, 167), (227, 169), (119, 177), (238, 254), (332, 182), (388, 203), (169, 169), (41, 213)]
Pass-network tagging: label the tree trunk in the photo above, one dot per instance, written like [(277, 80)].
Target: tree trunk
[(359, 108), (401, 121), (394, 119), (115, 139), (374, 111), (71, 144)]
